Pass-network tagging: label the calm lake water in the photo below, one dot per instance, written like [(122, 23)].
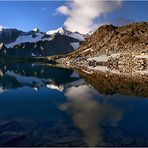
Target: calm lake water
[(46, 106)]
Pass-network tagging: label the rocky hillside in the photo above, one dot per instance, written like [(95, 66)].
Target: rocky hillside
[(113, 48), (109, 39)]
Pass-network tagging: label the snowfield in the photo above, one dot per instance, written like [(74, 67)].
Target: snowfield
[(142, 56), (28, 38), (39, 36), (75, 45), (104, 58), (77, 36), (63, 31)]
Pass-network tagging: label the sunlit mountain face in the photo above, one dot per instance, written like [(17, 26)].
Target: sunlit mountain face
[(48, 106)]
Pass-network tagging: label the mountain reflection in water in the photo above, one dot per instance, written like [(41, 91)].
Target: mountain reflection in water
[(47, 106)]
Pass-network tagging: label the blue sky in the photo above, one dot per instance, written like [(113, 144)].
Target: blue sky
[(27, 15)]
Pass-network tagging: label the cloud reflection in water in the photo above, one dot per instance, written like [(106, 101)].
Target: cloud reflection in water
[(89, 114)]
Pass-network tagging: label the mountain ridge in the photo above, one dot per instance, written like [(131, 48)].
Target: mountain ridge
[(17, 42)]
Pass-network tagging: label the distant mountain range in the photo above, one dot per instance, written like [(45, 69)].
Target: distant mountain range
[(15, 42)]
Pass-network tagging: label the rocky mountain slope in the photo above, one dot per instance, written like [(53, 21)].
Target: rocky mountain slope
[(109, 39), (9, 35), (113, 49), (37, 43)]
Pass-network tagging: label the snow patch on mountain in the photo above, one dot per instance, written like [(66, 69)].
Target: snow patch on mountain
[(77, 36), (75, 45), (63, 31), (60, 30), (104, 58), (142, 56), (2, 27), (36, 30), (28, 38)]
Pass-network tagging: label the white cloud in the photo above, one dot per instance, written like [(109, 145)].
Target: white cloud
[(2, 27), (63, 10), (81, 14)]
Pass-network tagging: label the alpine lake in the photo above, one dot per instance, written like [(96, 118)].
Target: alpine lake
[(43, 105)]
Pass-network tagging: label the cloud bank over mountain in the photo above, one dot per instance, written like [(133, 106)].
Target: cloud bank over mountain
[(81, 14)]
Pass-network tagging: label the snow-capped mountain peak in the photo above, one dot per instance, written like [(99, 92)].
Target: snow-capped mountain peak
[(36, 30), (39, 43), (60, 30), (63, 31)]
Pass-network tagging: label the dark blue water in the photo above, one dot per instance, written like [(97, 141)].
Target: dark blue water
[(47, 106)]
